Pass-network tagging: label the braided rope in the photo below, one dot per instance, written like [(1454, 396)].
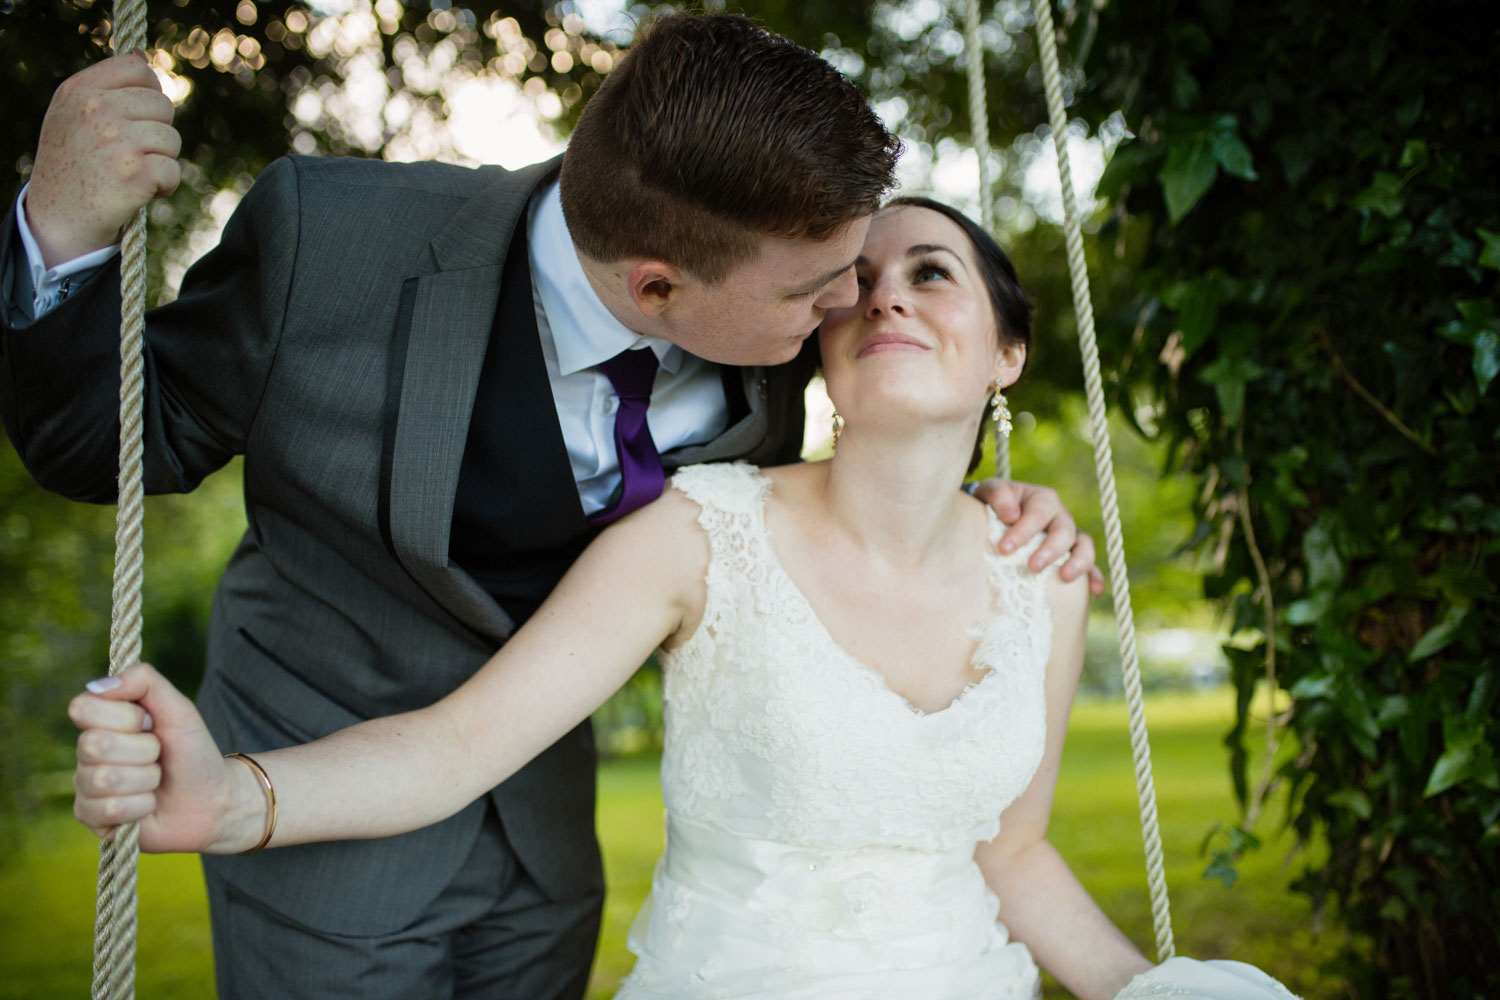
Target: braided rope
[(1103, 465), (979, 119), (115, 919)]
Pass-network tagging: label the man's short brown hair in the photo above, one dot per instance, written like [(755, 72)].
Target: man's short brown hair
[(711, 132)]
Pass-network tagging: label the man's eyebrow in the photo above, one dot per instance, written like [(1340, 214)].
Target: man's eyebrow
[(823, 279)]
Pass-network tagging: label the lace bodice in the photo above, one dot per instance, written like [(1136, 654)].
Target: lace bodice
[(775, 731), (821, 830)]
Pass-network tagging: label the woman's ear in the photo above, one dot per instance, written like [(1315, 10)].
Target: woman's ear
[(1008, 364), (652, 284)]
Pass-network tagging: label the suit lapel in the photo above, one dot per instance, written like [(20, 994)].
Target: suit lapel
[(741, 437), (770, 430), (437, 352)]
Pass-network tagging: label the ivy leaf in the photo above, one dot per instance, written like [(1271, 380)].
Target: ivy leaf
[(1188, 174), (1479, 330), (1222, 868), (1383, 196), (1228, 376), (1490, 257), (1392, 708), (1486, 358), (1453, 766), (1312, 686), (1231, 394), (1286, 464), (1439, 635), (1394, 909), (1197, 305), (1352, 799), (1475, 310), (1414, 154), (1325, 566), (1232, 154), (1448, 771), (1308, 611)]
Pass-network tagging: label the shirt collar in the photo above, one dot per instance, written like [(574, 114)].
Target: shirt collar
[(584, 331)]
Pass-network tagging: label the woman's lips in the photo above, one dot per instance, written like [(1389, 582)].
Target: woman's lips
[(882, 343)]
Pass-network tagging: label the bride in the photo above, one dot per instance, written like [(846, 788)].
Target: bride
[(866, 705)]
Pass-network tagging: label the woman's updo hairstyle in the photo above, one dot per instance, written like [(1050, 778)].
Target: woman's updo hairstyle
[(1011, 306)]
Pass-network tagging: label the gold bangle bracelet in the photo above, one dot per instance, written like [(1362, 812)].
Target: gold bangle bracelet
[(265, 782)]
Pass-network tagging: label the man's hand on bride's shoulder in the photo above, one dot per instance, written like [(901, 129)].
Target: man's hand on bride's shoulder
[(1028, 509)]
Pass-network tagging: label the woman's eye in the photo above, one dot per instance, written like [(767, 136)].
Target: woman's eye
[(929, 272)]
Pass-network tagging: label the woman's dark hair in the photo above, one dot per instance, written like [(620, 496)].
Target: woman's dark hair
[(1012, 308)]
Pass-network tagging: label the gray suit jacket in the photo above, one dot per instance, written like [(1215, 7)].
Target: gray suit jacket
[(335, 339)]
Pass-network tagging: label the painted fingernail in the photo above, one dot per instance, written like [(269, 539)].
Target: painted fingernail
[(147, 723), (103, 684)]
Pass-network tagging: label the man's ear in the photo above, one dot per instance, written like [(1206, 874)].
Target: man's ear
[(1008, 364), (652, 285)]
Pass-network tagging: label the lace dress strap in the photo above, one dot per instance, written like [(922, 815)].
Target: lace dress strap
[(732, 501), (732, 494), (1020, 595)]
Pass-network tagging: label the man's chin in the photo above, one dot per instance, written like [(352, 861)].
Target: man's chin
[(770, 355), (794, 346), (794, 349)]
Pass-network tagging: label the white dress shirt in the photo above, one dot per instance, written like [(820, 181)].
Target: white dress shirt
[(577, 333), (49, 286)]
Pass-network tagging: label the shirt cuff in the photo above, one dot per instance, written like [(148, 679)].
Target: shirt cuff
[(51, 285)]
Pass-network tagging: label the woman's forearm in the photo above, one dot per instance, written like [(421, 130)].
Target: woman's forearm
[(375, 779), (403, 772), (1043, 905)]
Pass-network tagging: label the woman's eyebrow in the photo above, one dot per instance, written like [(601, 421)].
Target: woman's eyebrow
[(918, 249)]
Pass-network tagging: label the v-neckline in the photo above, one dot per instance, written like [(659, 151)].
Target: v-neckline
[(977, 629)]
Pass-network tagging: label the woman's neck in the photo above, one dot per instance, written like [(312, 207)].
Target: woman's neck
[(896, 495)]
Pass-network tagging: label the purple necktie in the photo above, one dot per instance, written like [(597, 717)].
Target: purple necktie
[(641, 477)]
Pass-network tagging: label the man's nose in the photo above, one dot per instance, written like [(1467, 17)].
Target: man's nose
[(842, 293)]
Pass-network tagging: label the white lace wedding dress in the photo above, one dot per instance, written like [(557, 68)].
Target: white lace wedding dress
[(821, 830)]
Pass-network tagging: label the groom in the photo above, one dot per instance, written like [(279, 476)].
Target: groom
[(421, 366)]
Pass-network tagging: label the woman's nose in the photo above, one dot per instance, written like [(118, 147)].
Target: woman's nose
[(887, 296)]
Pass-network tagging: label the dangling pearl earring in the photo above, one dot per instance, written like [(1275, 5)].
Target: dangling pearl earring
[(838, 427), (1000, 414)]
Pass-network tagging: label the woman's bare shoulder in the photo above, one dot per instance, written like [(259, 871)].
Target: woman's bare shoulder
[(669, 522)]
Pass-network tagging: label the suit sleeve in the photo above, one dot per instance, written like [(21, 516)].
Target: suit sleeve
[(208, 358)]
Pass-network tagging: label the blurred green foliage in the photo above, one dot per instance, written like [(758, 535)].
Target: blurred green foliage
[(1309, 212), (56, 561)]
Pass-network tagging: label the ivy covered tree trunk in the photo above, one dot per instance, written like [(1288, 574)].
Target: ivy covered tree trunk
[(1310, 203)]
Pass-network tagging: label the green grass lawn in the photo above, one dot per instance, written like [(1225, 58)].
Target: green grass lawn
[(46, 891)]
